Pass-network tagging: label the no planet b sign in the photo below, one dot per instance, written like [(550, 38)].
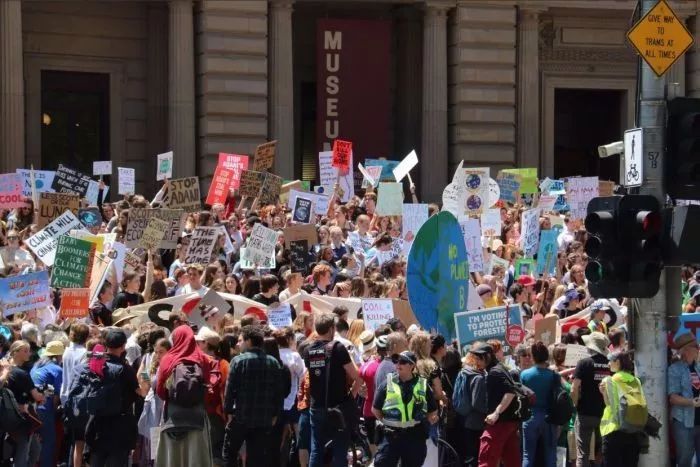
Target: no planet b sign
[(438, 274)]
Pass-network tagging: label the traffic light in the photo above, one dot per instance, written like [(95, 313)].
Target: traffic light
[(682, 163), (624, 246)]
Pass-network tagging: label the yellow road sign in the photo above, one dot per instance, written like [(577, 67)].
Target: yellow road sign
[(660, 37)]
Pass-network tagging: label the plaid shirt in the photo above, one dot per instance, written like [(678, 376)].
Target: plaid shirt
[(254, 391)]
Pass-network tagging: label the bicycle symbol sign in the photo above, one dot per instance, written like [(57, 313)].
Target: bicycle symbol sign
[(633, 157)]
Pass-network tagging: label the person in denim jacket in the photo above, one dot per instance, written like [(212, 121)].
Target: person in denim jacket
[(684, 399)]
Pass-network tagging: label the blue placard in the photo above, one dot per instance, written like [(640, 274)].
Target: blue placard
[(24, 292), (547, 252), (387, 166), (690, 323), (482, 325)]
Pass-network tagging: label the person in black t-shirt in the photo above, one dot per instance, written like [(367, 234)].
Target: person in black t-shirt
[(129, 296), (330, 367), (100, 312), (588, 375)]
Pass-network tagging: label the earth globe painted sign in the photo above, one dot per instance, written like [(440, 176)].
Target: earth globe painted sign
[(438, 274)]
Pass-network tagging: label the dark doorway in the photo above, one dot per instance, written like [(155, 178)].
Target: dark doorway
[(75, 119), (583, 120)]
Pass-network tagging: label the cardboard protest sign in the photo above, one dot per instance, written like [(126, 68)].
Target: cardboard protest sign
[(342, 155), (509, 184), (279, 316), (236, 162), (153, 234), (413, 216), (75, 303), (184, 194), (530, 232), (90, 217), (524, 267), (264, 156), (220, 183), (546, 330), (260, 248), (606, 188), (390, 199), (24, 292), (529, 179), (201, 247), (319, 201), (471, 232), (271, 189), (43, 179), (164, 166), (303, 210), (138, 220), (574, 354), (299, 256), (73, 263), (246, 264), (68, 180), (491, 222), (405, 166), (490, 323), (11, 191), (376, 312), (300, 232), (547, 252), (52, 205), (438, 273), (44, 242), (251, 183), (328, 175), (102, 168), (579, 192)]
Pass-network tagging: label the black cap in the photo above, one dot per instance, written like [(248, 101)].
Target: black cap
[(482, 349), (115, 338), (408, 357)]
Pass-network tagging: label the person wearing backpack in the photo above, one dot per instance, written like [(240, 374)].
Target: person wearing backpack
[(625, 413), (683, 381), (181, 382), (469, 402)]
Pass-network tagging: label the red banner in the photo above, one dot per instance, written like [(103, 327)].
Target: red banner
[(354, 86), (220, 183), (235, 162)]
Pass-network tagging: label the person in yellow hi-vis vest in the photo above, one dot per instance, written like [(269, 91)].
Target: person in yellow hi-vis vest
[(625, 413), (404, 404)]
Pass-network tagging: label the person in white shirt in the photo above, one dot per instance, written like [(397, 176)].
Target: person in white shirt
[(294, 282), (194, 272), (73, 358), (292, 360)]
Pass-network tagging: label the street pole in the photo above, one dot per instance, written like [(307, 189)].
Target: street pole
[(650, 320)]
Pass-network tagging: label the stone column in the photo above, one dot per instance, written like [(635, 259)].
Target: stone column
[(528, 89), (282, 87), (408, 82), (181, 129), (434, 145), (157, 101), (11, 87)]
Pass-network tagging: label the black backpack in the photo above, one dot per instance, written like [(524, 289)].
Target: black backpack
[(92, 395), (561, 407), (187, 388), (520, 409), (11, 419)]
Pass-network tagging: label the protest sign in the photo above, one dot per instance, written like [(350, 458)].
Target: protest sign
[(319, 201), (553, 187), (477, 182), (75, 303), (24, 292), (471, 232), (454, 198), (387, 166), (271, 189), (88, 237), (184, 194), (579, 191), (528, 179), (405, 166), (574, 354), (279, 316), (438, 273), (52, 205), (260, 248), (496, 260), (413, 216), (360, 243), (73, 263), (44, 242), (489, 323), (303, 210), (102, 168), (524, 267), (90, 217), (546, 330), (376, 312), (251, 183), (547, 253), (93, 191), (606, 188), (228, 244), (299, 256), (264, 156), (390, 199), (11, 191), (371, 177), (491, 222), (236, 162), (132, 262), (101, 271), (164, 166), (509, 184), (689, 323), (43, 179), (220, 184), (546, 202), (209, 310), (201, 247), (342, 155), (328, 175), (300, 232), (530, 232), (116, 252), (138, 220), (153, 234), (269, 263), (68, 180)]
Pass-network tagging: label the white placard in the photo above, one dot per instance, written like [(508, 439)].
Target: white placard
[(471, 231), (413, 217), (164, 167), (454, 197), (405, 166), (575, 353), (491, 222), (228, 245), (43, 179), (127, 181), (260, 248), (546, 202), (494, 192), (201, 247), (530, 235), (579, 192), (376, 312), (320, 201), (279, 316), (329, 175), (102, 168), (44, 242)]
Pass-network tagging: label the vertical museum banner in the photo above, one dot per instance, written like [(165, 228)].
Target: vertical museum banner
[(354, 85)]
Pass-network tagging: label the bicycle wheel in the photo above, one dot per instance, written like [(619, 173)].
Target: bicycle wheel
[(447, 455)]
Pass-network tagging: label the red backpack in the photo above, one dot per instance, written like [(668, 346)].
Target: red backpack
[(214, 396)]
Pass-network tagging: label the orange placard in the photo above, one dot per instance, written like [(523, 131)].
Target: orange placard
[(75, 303)]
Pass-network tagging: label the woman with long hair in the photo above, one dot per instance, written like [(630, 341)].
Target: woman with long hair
[(129, 295), (232, 284), (356, 328), (303, 324)]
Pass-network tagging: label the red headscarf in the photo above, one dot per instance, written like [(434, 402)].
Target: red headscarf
[(184, 349), (97, 360)]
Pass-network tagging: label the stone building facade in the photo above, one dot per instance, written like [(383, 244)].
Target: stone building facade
[(498, 83)]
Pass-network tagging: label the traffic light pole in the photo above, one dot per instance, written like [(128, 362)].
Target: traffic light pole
[(650, 317)]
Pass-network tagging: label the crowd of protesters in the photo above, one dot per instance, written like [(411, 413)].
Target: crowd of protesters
[(325, 390)]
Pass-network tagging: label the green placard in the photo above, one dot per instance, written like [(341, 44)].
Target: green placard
[(525, 267), (73, 263), (529, 183)]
